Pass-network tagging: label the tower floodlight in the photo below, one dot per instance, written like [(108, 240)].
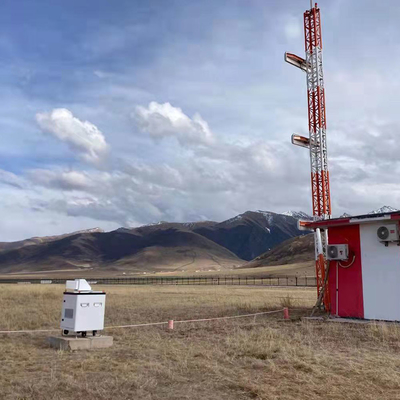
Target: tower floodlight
[(300, 141)]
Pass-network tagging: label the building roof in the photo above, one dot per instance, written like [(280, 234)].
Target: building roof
[(357, 219)]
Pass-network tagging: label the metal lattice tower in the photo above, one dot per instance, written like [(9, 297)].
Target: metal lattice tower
[(316, 143), (317, 115)]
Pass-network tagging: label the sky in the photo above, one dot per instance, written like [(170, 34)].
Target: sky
[(130, 112)]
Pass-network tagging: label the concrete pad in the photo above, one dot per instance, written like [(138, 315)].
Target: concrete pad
[(79, 343)]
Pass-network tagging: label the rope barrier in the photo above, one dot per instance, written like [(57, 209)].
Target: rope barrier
[(233, 316), (33, 330), (136, 325), (155, 323)]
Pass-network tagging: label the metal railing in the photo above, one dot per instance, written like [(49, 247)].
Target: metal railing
[(304, 281)]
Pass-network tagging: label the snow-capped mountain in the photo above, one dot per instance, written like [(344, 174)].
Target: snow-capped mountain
[(269, 216), (384, 209), (297, 215), (345, 215), (234, 219)]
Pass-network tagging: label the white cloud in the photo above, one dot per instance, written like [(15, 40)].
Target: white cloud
[(10, 179), (65, 180), (163, 120), (81, 136)]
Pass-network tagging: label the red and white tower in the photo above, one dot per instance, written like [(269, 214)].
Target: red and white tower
[(316, 143)]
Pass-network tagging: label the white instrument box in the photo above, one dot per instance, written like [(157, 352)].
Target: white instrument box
[(83, 309)]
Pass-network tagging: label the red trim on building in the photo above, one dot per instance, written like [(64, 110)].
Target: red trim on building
[(357, 219), (324, 223)]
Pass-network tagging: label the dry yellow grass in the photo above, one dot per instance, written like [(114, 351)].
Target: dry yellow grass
[(297, 269), (262, 358)]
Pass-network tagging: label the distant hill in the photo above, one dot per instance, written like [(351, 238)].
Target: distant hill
[(157, 249), (252, 233), (43, 239), (295, 250), (246, 235)]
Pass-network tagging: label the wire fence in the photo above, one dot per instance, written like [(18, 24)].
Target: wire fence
[(303, 281)]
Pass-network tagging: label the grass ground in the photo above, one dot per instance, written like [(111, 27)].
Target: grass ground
[(297, 269), (249, 358)]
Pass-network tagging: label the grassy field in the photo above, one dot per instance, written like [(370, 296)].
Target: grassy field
[(250, 358), (297, 269)]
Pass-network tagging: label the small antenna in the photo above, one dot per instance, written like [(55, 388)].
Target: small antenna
[(311, 4)]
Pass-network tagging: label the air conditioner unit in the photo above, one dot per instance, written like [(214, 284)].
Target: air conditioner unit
[(388, 233), (338, 252)]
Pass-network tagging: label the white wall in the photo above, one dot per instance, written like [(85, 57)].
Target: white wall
[(380, 275)]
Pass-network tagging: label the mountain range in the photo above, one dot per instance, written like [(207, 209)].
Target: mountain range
[(162, 246), (384, 209), (249, 240)]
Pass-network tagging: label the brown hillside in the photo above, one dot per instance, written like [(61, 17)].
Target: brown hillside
[(37, 240), (295, 250), (123, 250)]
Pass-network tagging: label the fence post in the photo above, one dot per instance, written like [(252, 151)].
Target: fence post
[(171, 324), (285, 313)]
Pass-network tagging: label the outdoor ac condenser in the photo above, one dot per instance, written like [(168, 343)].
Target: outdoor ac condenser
[(82, 308), (338, 252), (388, 233)]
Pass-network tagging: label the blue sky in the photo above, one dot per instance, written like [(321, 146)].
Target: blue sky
[(131, 112)]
